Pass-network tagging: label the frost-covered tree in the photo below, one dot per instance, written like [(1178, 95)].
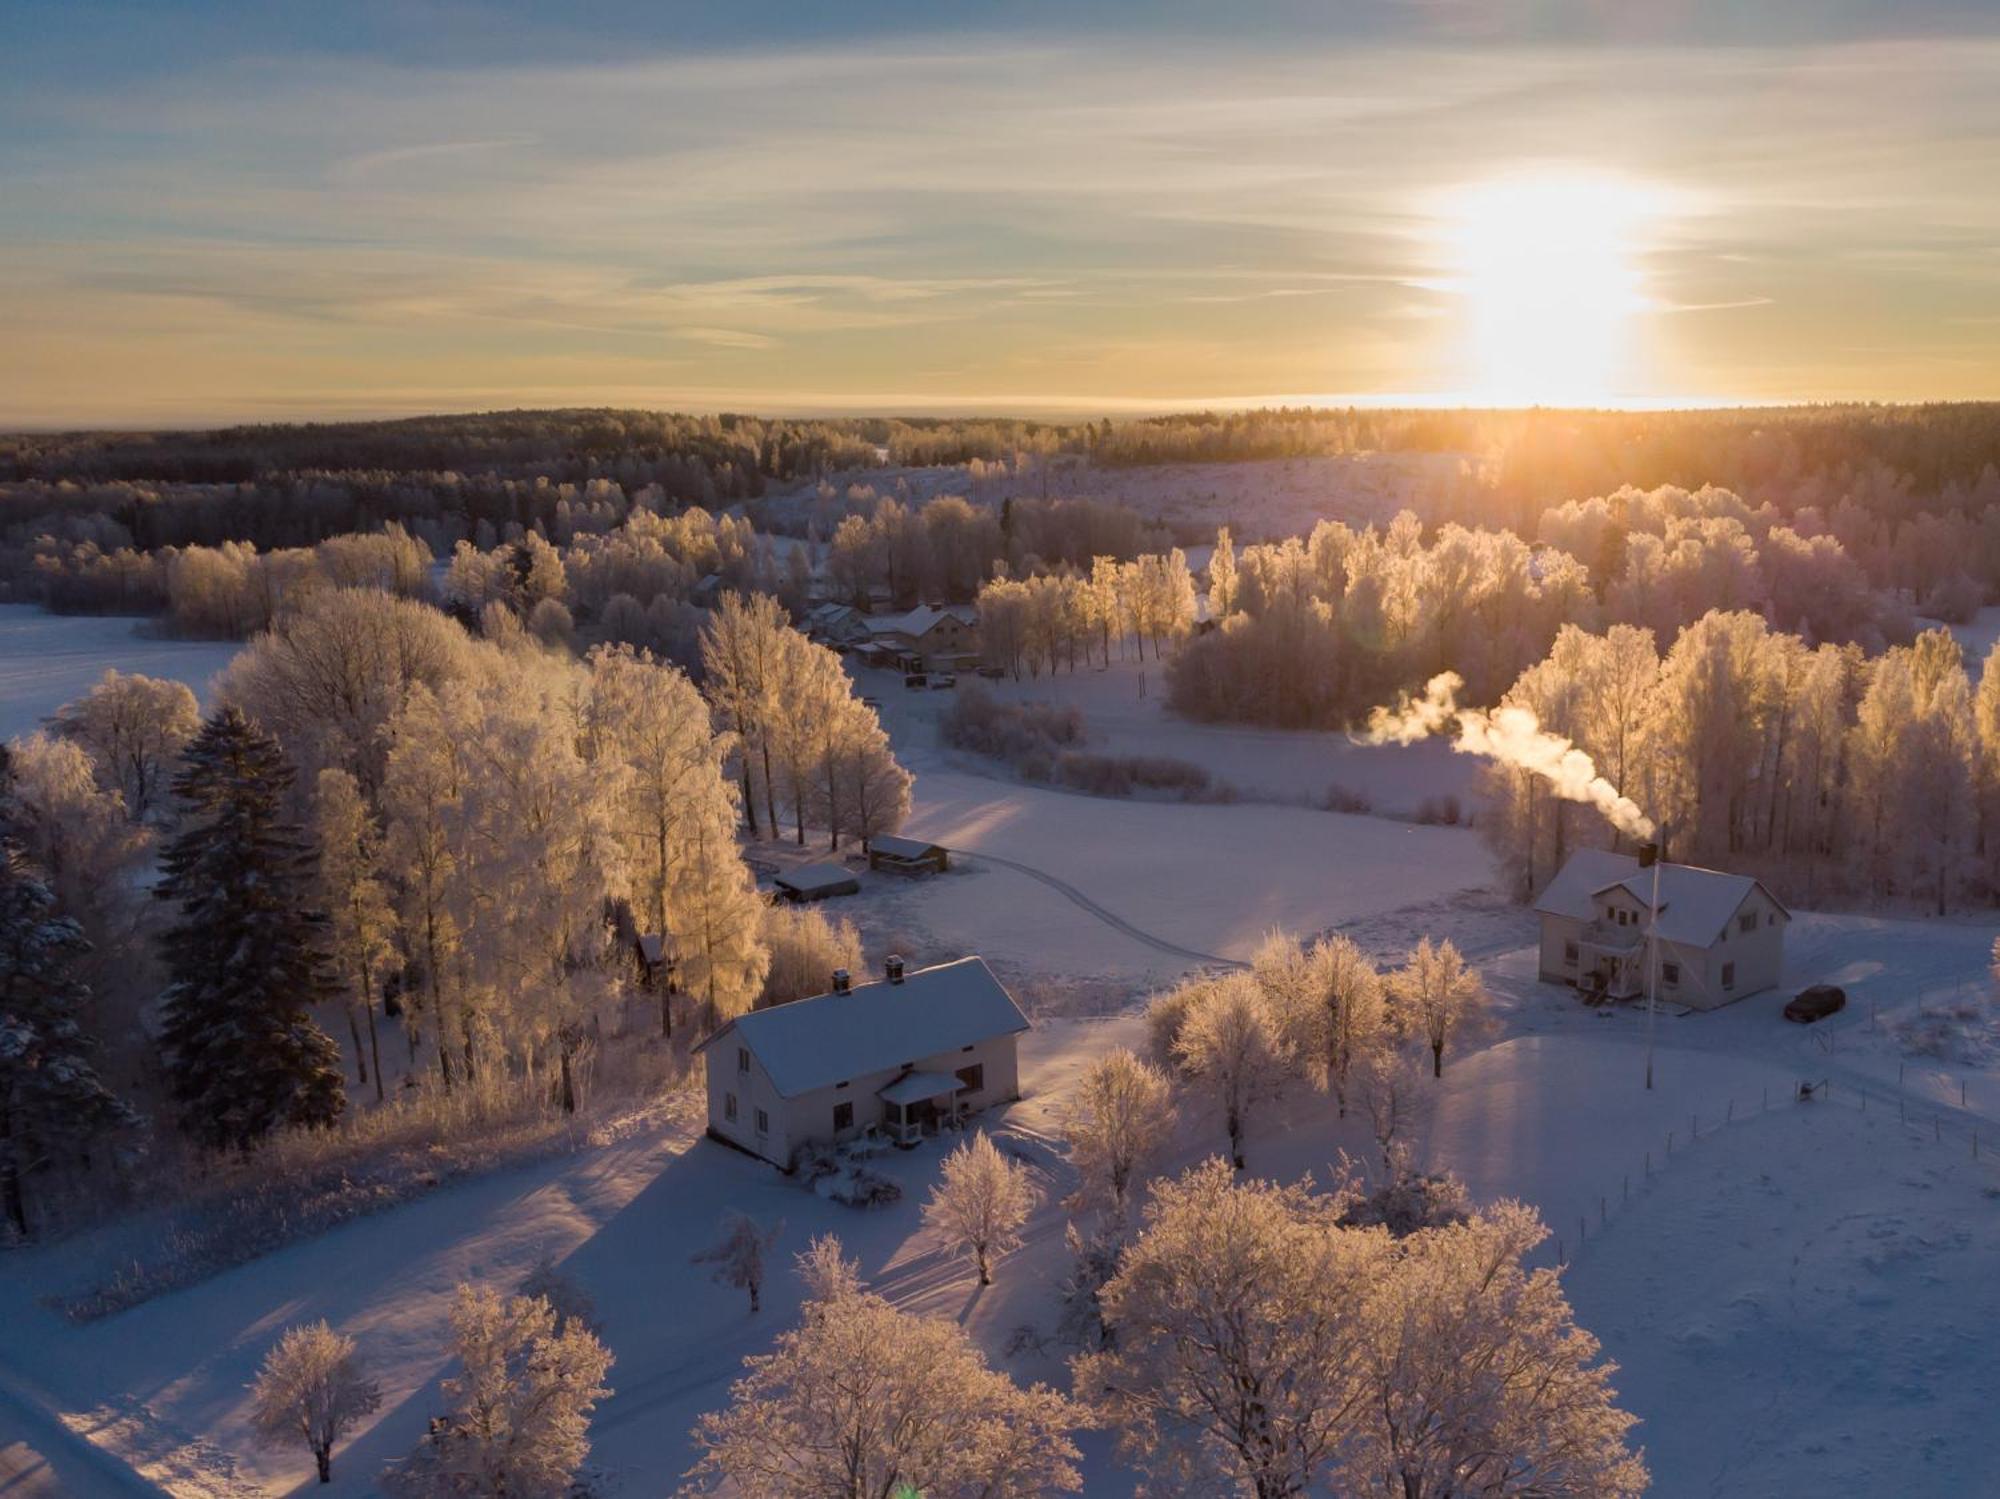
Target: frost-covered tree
[(328, 675), (1265, 1346), (361, 921), (719, 943), (1397, 1097), (861, 1398), (423, 793), (741, 660), (245, 952), (55, 1112), (806, 947), (1479, 1380), (739, 1255), (1230, 1045), (519, 1424), (1327, 1001), (1436, 996), (1222, 577), (74, 830), (311, 1390), (980, 1202), (134, 728), (1240, 1325), (1119, 1118)]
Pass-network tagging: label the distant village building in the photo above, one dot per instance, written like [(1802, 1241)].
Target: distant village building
[(897, 855), (932, 634), (898, 1057), (837, 624), (1721, 936), (810, 882)]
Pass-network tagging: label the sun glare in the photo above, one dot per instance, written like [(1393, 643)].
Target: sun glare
[(1548, 266)]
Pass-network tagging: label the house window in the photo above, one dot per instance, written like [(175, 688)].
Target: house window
[(1671, 972), (1569, 952), (763, 1123), (729, 1107), (843, 1117), (1748, 922), (1771, 919), (742, 1059), (1729, 975), (972, 1078)]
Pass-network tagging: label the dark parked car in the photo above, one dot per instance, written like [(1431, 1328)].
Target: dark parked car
[(1816, 1003)]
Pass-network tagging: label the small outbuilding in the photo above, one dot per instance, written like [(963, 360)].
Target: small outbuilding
[(810, 882), (899, 1058), (1720, 937), (895, 855)]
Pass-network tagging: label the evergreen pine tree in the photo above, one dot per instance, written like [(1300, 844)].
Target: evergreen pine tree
[(54, 1109), (246, 954)]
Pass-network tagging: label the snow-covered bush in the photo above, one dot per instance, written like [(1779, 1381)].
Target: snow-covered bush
[(568, 1300), (862, 1188)]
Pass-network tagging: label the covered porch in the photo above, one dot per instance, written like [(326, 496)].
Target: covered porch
[(1611, 961), (917, 1103)]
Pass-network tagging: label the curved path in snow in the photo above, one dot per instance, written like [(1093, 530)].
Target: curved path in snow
[(1118, 923)]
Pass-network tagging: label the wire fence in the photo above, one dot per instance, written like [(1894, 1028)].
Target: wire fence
[(1974, 1134)]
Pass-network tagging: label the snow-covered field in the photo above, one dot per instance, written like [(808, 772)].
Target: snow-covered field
[(47, 660), (1797, 1296), (1125, 712)]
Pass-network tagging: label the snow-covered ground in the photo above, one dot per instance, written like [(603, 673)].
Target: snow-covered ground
[(1125, 712), (1796, 1293), (47, 660)]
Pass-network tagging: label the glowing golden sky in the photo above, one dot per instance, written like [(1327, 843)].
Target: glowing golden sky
[(1022, 220)]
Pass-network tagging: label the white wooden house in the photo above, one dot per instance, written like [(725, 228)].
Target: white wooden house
[(898, 1057), (1721, 936)]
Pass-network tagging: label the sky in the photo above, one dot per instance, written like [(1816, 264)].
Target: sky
[(273, 211)]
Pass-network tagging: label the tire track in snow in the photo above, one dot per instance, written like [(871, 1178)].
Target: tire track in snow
[(1117, 923)]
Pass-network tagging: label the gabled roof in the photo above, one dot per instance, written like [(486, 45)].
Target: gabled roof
[(814, 1043), (1695, 903), (810, 877), (900, 848), (1588, 871), (921, 620)]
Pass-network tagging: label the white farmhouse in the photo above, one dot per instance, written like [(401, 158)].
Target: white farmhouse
[(1721, 936), (897, 1056)]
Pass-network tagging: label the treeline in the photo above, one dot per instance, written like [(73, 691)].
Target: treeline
[(1312, 633), (1827, 770), (390, 820)]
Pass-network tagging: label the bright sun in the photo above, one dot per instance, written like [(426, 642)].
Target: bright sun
[(1548, 268)]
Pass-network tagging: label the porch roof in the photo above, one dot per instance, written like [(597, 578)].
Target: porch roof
[(915, 1087)]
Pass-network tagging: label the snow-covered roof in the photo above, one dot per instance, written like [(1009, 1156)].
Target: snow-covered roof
[(899, 848), (1695, 903), (921, 620), (810, 877), (814, 1043), (1588, 871)]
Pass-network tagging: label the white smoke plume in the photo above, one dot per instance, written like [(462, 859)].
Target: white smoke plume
[(1512, 735)]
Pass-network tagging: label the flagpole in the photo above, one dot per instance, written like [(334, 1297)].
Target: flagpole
[(1653, 953)]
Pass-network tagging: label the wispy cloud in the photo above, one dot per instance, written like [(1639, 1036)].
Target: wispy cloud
[(1083, 216)]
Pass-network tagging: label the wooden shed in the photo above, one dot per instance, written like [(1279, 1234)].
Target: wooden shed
[(895, 855)]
